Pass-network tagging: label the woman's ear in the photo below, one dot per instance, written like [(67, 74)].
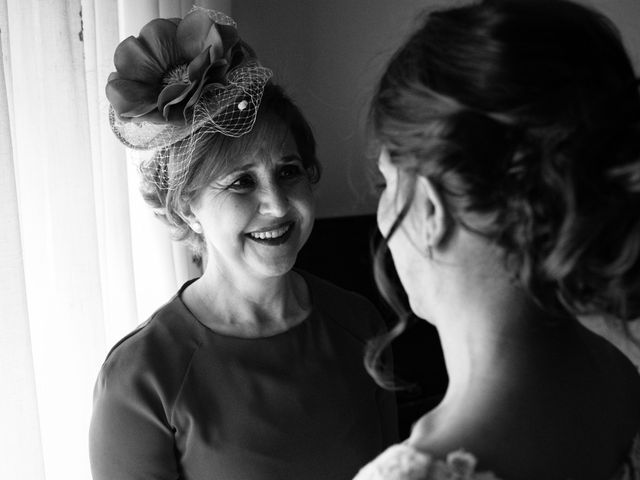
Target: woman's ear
[(190, 219), (431, 212)]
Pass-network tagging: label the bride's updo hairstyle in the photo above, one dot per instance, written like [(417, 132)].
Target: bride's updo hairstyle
[(525, 115), (214, 153)]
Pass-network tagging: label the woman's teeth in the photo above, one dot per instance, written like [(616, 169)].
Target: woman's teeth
[(271, 233)]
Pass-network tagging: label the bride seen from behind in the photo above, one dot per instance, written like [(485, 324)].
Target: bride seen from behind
[(510, 148)]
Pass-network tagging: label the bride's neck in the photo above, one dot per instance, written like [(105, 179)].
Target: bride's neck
[(495, 340)]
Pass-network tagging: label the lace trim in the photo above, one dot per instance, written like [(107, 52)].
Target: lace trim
[(403, 462)]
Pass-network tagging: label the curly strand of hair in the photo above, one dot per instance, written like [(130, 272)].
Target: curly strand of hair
[(378, 345)]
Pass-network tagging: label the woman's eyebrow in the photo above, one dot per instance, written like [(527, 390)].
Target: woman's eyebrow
[(242, 168), (294, 157), (290, 158)]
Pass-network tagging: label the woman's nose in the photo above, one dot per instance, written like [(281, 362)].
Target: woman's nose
[(273, 201)]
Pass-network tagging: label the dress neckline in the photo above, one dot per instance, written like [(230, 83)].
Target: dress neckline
[(303, 323)]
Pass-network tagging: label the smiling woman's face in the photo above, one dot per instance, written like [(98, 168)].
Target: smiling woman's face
[(257, 215)]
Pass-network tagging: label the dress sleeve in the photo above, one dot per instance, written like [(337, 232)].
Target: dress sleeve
[(130, 437)]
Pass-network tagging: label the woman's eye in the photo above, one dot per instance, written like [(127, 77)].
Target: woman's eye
[(291, 171), (242, 183)]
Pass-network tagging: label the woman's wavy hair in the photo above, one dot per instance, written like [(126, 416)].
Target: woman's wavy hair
[(215, 153), (525, 113)]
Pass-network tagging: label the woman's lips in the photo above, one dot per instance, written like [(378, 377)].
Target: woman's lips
[(275, 235)]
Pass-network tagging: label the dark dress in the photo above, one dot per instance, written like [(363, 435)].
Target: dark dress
[(175, 400)]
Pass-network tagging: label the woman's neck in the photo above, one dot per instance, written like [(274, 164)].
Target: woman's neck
[(489, 340), (517, 393), (496, 342), (251, 307), (521, 381)]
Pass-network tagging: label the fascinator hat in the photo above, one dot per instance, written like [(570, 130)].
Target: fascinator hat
[(178, 81)]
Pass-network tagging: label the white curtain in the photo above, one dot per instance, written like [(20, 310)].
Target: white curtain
[(82, 260)]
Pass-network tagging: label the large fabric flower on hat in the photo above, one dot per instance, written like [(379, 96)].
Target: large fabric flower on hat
[(161, 74)]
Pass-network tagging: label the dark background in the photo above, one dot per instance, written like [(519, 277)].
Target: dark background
[(339, 250)]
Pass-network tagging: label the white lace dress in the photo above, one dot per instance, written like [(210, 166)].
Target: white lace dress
[(403, 462)]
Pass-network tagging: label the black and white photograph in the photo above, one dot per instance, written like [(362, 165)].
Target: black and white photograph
[(320, 239)]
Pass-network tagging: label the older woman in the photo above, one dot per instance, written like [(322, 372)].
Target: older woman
[(510, 133), (254, 370)]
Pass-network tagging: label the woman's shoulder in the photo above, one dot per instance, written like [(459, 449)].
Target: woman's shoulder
[(404, 462), (162, 343), (350, 309), (331, 294)]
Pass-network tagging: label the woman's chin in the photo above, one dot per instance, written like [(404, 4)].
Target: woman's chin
[(276, 259), (274, 269)]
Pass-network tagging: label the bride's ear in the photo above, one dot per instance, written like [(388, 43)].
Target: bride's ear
[(432, 212)]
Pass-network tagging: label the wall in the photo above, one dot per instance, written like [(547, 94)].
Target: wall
[(626, 15), (329, 54)]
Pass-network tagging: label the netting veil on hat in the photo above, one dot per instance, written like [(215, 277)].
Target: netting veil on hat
[(178, 81)]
